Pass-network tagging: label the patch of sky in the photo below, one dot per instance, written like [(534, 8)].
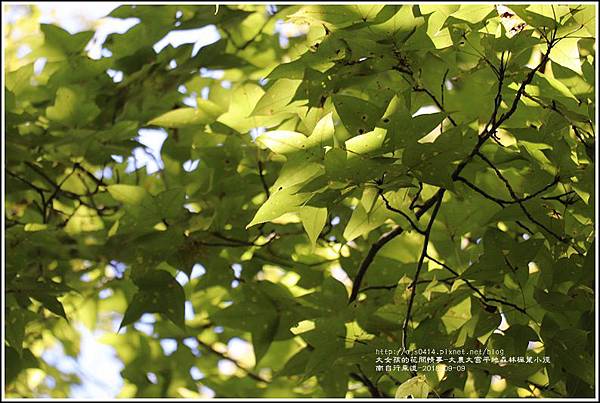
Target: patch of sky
[(190, 165), (200, 37), (257, 131), (149, 155), (116, 75), (181, 278), (197, 271), (168, 346), (38, 65), (196, 373), (189, 311)]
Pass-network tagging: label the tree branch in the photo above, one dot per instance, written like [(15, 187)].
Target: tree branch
[(413, 285), (483, 136), (502, 202), (519, 201), (484, 298), (373, 390), (402, 213), (262, 179)]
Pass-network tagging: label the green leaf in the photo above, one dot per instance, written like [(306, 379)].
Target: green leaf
[(206, 113), (296, 364), (62, 40), (84, 219), (297, 172), (416, 388), (322, 135), (311, 121), (16, 362), (473, 13), (335, 381), (369, 214), (566, 53), (366, 143), (16, 320), (401, 25), (586, 17), (52, 304), (457, 315), (71, 108), (160, 293), (254, 312), (283, 141), (170, 203), (334, 16), (279, 203), (243, 101), (358, 116), (129, 194), (313, 220), (277, 97)]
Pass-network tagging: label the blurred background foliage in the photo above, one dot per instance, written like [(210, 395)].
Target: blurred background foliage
[(252, 211)]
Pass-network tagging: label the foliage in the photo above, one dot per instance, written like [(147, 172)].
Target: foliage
[(348, 177)]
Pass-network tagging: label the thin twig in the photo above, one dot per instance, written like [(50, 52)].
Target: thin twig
[(413, 285), (402, 213)]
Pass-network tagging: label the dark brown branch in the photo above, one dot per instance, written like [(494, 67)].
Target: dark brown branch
[(413, 285), (500, 72), (393, 286), (484, 298), (57, 190), (402, 213), (571, 197), (384, 239), (483, 136), (364, 266), (443, 85), (416, 197), (436, 102), (502, 202), (505, 116), (262, 179), (482, 192), (98, 182), (489, 131), (520, 203), (373, 390), (40, 191)]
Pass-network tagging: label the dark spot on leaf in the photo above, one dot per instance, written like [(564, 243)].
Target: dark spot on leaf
[(280, 187), (490, 308), (361, 131), (364, 117), (386, 120)]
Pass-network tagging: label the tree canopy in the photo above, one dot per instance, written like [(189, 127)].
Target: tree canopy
[(335, 181)]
